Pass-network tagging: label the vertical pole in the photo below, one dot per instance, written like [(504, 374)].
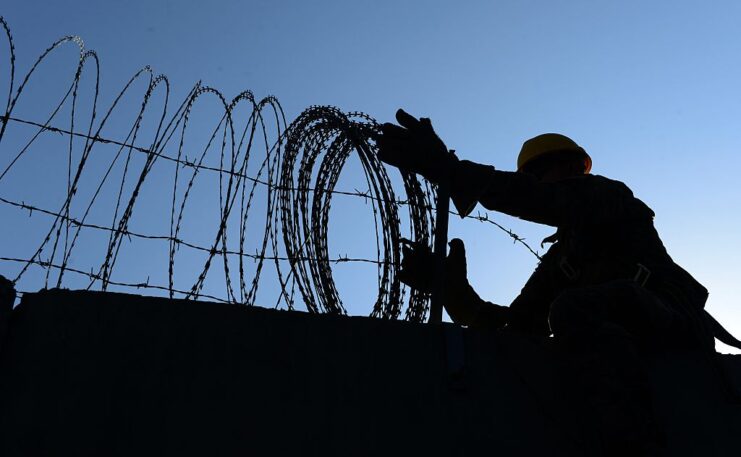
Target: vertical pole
[(7, 300), (440, 249)]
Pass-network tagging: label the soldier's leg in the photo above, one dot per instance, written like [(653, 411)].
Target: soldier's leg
[(602, 330)]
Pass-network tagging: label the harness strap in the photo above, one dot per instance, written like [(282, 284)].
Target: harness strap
[(571, 273), (642, 274)]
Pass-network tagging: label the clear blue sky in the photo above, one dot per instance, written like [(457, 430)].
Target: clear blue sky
[(651, 89)]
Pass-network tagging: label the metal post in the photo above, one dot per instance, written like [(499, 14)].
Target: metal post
[(440, 250)]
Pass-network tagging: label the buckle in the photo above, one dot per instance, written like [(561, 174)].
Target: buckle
[(570, 272), (642, 275)]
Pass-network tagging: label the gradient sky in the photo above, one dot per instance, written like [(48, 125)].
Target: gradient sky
[(650, 89)]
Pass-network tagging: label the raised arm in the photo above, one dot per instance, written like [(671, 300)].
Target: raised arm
[(414, 146), (517, 194)]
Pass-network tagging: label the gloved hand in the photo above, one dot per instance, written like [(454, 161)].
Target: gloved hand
[(462, 303), (418, 266), (414, 146)]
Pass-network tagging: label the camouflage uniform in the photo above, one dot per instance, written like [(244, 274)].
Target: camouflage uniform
[(606, 289)]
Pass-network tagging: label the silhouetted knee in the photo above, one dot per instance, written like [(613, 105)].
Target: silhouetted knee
[(613, 308), (572, 312)]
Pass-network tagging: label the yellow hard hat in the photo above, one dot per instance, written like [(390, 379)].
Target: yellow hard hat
[(550, 143)]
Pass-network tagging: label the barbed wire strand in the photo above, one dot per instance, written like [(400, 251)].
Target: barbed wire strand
[(300, 168), (480, 217)]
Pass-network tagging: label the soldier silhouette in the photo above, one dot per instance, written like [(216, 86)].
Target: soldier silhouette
[(606, 288)]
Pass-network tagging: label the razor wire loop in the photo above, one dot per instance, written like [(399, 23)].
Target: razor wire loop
[(327, 130), (299, 172)]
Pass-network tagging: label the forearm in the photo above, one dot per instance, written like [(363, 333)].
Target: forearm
[(517, 194)]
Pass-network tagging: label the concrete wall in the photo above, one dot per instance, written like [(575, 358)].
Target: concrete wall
[(90, 373)]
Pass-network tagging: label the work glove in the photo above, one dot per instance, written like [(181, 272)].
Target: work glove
[(414, 146), (418, 266), (462, 303)]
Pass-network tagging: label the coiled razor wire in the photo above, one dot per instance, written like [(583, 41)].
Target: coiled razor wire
[(328, 135), (298, 170)]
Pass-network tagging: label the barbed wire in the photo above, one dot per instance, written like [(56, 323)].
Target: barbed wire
[(298, 171), (481, 217)]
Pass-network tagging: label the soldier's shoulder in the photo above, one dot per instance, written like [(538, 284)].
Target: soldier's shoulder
[(619, 196), (603, 180), (602, 183)]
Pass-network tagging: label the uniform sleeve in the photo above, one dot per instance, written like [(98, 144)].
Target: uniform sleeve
[(517, 194), (467, 308), (529, 312)]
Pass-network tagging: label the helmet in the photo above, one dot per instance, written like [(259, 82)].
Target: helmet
[(547, 144)]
